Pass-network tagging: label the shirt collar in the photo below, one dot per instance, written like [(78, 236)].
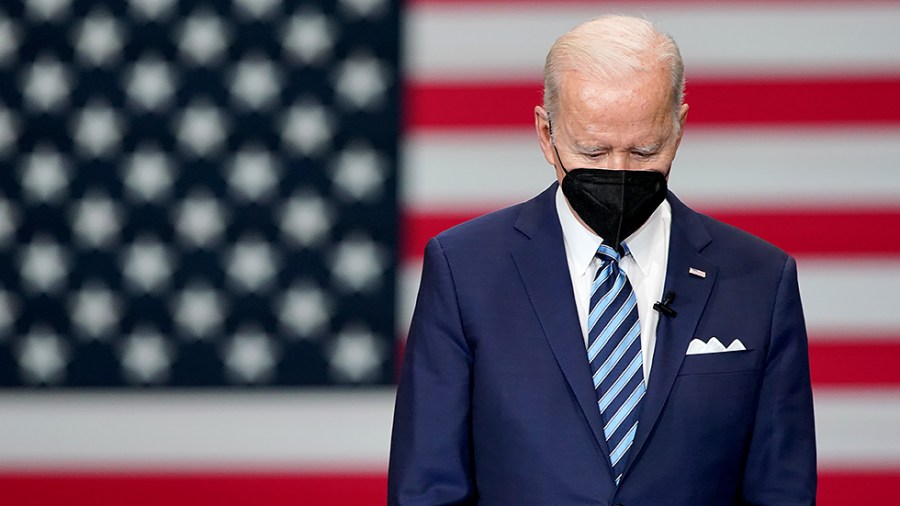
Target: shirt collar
[(645, 244)]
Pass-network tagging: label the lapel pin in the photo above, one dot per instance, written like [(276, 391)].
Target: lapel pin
[(697, 272)]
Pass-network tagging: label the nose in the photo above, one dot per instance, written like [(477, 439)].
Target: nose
[(620, 161)]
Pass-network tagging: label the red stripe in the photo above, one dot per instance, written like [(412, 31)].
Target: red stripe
[(799, 232), (236, 489), (725, 101), (190, 488), (823, 233), (858, 487), (417, 228), (855, 361)]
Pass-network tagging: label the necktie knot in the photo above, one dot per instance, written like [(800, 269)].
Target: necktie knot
[(606, 253)]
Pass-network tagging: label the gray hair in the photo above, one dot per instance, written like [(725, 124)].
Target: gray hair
[(612, 47)]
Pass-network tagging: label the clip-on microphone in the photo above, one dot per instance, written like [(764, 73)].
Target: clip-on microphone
[(663, 305)]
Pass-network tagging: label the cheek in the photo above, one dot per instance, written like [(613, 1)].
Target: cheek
[(559, 174)]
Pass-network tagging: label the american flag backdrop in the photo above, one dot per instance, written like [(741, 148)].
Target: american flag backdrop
[(212, 216), (198, 241)]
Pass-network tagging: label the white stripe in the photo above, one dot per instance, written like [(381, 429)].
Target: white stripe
[(308, 431), (856, 428), (851, 295), (870, 310), (409, 275), (447, 42), (315, 431), (731, 168)]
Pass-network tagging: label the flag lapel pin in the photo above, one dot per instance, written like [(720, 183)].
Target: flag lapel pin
[(697, 272)]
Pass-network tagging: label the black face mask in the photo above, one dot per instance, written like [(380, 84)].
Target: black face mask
[(613, 203)]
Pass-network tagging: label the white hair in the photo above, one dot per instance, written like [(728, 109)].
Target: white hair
[(612, 47)]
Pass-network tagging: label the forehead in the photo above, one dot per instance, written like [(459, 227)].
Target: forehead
[(640, 99)]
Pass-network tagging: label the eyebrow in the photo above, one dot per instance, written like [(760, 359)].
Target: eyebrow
[(647, 149), (593, 148)]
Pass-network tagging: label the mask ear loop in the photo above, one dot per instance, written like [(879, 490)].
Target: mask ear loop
[(558, 159), (553, 143)]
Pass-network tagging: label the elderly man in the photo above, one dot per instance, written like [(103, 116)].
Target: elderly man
[(602, 343)]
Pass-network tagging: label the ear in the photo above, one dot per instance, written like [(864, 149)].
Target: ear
[(542, 126), (682, 121)]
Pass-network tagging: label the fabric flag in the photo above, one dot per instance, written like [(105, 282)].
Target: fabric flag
[(202, 221)]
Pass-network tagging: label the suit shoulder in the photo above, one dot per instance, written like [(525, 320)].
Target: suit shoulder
[(721, 239), (482, 231), (738, 243)]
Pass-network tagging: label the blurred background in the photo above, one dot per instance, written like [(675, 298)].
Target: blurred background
[(213, 212)]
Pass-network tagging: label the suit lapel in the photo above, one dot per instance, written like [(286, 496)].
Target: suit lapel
[(541, 261), (673, 334)]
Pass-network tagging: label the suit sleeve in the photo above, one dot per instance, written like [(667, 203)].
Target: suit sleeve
[(431, 456), (781, 465)]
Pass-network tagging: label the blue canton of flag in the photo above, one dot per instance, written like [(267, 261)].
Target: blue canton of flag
[(197, 193)]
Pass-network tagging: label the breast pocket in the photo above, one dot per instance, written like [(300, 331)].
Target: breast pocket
[(720, 363)]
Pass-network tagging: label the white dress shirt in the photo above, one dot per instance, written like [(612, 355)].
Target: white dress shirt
[(645, 267)]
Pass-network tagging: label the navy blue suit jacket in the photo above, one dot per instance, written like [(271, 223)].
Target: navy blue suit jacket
[(495, 404)]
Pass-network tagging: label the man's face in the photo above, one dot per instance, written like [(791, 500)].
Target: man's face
[(625, 125)]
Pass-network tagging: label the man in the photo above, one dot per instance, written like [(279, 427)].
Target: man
[(602, 343)]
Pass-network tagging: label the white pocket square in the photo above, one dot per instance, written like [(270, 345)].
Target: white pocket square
[(698, 347)]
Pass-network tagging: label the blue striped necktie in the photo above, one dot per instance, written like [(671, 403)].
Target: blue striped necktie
[(614, 352)]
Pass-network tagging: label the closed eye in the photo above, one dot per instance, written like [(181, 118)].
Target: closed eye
[(592, 151), (644, 153)]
